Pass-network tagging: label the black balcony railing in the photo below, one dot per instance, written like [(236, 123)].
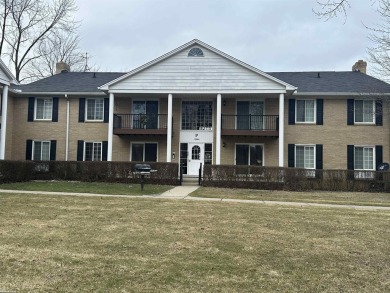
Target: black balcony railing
[(140, 121), (251, 122)]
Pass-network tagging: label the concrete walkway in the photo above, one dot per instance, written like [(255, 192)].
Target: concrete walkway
[(182, 193)]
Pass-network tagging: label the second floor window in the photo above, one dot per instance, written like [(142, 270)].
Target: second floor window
[(364, 111), (95, 109), (305, 111), (197, 115), (43, 108)]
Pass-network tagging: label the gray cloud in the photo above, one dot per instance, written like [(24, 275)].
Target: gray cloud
[(272, 35)]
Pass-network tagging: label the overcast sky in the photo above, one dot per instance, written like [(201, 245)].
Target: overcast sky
[(272, 35)]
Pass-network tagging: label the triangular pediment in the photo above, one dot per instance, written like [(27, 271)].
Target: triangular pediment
[(206, 70)]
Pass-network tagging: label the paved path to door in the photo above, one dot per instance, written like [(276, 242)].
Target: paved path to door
[(182, 193)]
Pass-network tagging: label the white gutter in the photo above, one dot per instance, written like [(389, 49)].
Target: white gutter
[(67, 129), (338, 94), (61, 93)]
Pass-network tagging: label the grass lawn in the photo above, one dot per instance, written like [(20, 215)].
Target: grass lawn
[(345, 198), (84, 244), (87, 187)]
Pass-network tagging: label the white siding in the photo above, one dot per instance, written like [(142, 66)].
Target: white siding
[(211, 72)]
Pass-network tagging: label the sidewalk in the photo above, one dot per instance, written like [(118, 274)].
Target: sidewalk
[(182, 193)]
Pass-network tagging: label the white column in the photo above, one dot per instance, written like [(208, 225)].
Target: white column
[(4, 113), (67, 130), (218, 132), (281, 130), (169, 130), (110, 127)]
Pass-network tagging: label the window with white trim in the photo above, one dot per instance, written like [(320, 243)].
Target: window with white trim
[(95, 109), (305, 111), (144, 152), (41, 151), (43, 108), (92, 151), (305, 156), (364, 158), (364, 111)]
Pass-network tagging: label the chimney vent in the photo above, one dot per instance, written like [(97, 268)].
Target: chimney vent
[(62, 67), (360, 66)]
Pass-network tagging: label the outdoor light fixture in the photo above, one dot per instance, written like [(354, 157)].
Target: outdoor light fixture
[(224, 102), (224, 144)]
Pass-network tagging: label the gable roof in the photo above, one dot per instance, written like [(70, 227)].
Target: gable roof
[(187, 45)]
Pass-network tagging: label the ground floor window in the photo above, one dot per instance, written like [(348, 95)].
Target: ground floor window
[(249, 154), (305, 156), (208, 154), (144, 152), (93, 151), (364, 158), (41, 150)]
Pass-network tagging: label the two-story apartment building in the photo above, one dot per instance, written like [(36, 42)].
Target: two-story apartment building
[(196, 105)]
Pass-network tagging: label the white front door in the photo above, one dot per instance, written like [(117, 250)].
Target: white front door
[(195, 157)]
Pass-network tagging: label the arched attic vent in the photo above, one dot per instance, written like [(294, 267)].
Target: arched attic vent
[(195, 52)]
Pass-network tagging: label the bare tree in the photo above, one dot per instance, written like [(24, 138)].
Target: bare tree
[(29, 25), (330, 9)]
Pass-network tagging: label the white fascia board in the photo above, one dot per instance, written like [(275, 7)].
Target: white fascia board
[(339, 94), (7, 72), (142, 91), (106, 86)]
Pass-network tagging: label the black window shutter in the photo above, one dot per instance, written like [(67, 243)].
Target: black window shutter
[(81, 109), (291, 155), (105, 150), (350, 157), (53, 150), (350, 111), (378, 155), (29, 150), (291, 111), (319, 157), (378, 113), (106, 109), (54, 117), (80, 150), (320, 111), (31, 102)]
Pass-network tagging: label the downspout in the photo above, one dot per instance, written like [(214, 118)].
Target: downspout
[(67, 129)]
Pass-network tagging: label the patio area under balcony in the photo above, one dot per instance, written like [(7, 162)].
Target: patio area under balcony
[(143, 124), (250, 125)]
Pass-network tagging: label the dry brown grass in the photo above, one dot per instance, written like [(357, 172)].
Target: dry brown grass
[(76, 244), (344, 198)]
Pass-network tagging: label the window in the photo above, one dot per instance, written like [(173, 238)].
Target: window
[(43, 108), (208, 154), (197, 115), (144, 152), (145, 114), (364, 111), (93, 151), (41, 151), (249, 154), (305, 111), (195, 52), (95, 109), (250, 115), (364, 158), (305, 156)]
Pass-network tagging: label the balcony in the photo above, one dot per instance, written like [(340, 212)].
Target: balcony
[(146, 124), (250, 125)]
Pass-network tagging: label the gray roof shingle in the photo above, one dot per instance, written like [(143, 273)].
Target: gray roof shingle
[(68, 82), (338, 82)]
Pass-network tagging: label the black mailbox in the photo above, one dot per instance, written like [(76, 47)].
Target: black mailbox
[(144, 168)]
